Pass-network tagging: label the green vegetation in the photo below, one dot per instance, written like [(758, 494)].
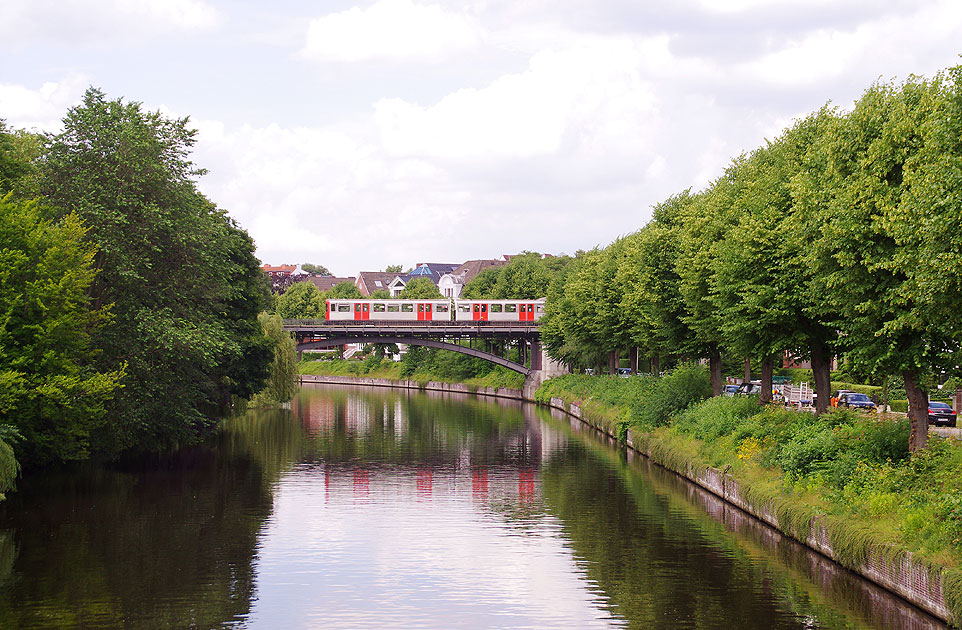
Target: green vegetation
[(420, 288), (303, 300), (128, 301), (838, 237), (422, 365), (51, 394), (319, 270), (282, 383), (852, 471), (526, 276)]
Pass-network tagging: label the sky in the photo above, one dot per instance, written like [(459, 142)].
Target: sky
[(359, 135)]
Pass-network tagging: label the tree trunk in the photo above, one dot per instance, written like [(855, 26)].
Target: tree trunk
[(748, 370), (715, 369), (918, 413), (768, 368), (655, 365), (822, 370)]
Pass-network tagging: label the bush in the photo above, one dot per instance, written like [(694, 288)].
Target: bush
[(686, 385), (716, 417)]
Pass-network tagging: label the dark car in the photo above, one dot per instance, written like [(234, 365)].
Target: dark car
[(855, 400), (748, 389), (730, 390), (941, 414)]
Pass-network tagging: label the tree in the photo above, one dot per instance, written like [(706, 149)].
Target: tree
[(19, 152), (50, 391), (381, 294), (283, 380), (420, 289), (344, 291), (482, 285), (393, 269), (182, 277), (869, 246), (302, 301), (319, 270)]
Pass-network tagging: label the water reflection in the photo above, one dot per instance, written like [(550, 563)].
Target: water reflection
[(387, 509)]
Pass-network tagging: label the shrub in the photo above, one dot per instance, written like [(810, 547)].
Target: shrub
[(686, 385)]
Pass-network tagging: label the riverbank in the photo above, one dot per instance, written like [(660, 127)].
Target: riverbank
[(856, 543)]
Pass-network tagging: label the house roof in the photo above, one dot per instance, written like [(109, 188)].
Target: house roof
[(278, 268), (326, 283), (468, 270), (370, 281)]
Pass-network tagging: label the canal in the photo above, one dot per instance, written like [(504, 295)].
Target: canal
[(375, 508)]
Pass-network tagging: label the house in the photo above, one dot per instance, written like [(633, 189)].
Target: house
[(282, 276), (431, 271), (370, 281), (326, 283), (451, 284)]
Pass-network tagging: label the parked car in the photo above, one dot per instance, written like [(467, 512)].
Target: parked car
[(730, 390), (941, 413), (855, 400), (748, 389), (624, 372)]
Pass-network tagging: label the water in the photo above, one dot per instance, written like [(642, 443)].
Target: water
[(384, 509)]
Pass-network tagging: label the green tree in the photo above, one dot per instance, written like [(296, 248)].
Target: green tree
[(393, 269), (282, 382), (381, 294), (185, 285), (344, 291), (50, 391), (303, 300), (319, 270), (420, 289), (19, 152), (865, 249), (482, 285)]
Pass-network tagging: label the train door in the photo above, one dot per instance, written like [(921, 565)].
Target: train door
[(480, 312), (362, 311), (524, 315), (530, 312), (424, 312)]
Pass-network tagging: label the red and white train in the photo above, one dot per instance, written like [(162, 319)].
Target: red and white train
[(435, 310)]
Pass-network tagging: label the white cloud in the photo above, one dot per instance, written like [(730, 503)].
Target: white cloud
[(42, 108), (398, 30), (590, 94), (100, 21)]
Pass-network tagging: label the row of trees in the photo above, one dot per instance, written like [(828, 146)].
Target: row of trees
[(842, 236), (128, 300)]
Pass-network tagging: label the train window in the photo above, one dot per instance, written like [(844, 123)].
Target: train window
[(441, 308), (343, 308), (378, 308), (540, 308), (464, 308), (495, 308), (393, 308), (510, 308), (407, 308)]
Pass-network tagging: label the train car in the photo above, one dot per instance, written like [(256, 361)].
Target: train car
[(498, 310), (388, 310)]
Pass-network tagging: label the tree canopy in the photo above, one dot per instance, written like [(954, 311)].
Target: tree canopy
[(181, 277)]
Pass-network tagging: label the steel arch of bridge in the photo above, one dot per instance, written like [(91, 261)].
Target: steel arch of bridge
[(414, 341)]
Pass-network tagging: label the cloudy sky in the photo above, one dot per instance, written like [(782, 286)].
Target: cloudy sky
[(362, 134)]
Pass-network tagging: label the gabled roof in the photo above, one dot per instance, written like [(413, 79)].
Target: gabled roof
[(467, 271), (370, 281), (326, 283)]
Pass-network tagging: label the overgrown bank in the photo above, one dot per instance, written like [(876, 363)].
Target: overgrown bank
[(418, 364), (847, 476)]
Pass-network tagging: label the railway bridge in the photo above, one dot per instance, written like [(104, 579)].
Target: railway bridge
[(313, 334)]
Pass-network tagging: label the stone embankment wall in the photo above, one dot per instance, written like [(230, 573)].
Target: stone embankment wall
[(908, 578)]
